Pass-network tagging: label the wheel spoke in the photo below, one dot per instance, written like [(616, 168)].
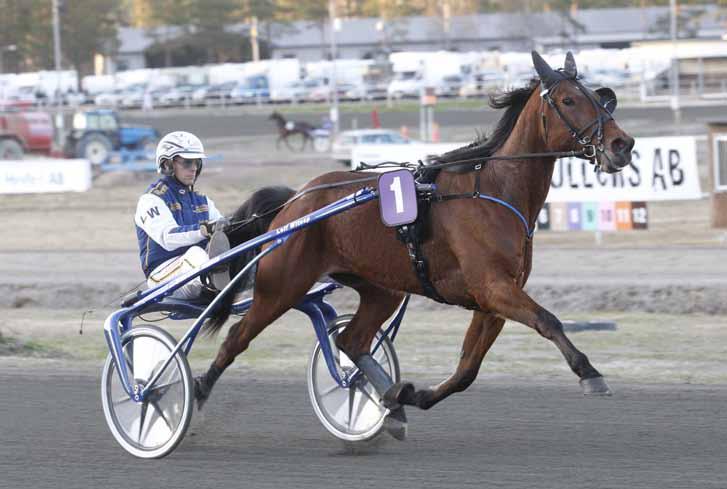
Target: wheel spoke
[(351, 399), (361, 406), (158, 388), (121, 400), (330, 390), (142, 418), (369, 396), (160, 412), (380, 356)]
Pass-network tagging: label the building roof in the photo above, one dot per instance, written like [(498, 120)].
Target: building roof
[(586, 26)]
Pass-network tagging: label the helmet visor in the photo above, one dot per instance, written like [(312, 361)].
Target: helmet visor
[(188, 163)]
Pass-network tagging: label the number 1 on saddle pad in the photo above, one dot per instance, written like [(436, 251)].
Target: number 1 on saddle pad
[(397, 198)]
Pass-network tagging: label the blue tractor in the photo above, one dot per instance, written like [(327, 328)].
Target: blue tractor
[(98, 136)]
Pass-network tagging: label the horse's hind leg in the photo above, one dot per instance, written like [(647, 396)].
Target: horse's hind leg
[(480, 336), (510, 301), (287, 143), (270, 301), (303, 142), (376, 305)]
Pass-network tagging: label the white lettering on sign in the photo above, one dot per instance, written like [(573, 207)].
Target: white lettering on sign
[(398, 197)]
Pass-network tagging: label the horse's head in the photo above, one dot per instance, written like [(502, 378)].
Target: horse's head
[(275, 116), (577, 118)]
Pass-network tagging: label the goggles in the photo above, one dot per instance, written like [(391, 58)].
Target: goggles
[(188, 164)]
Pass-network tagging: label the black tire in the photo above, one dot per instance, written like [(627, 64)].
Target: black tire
[(95, 148), (10, 149)]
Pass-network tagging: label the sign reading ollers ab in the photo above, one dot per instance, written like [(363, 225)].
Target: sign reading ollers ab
[(660, 169)]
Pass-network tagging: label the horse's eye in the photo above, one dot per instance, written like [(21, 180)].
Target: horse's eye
[(568, 101)]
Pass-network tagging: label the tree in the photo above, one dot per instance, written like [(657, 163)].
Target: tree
[(85, 35), (27, 24)]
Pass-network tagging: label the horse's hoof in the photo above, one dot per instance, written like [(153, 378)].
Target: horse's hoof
[(201, 392), (595, 386), (395, 424), (398, 394)]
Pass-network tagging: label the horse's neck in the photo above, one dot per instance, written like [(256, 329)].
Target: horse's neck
[(524, 183), (280, 122)]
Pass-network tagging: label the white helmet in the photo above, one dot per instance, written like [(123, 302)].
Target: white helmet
[(178, 143)]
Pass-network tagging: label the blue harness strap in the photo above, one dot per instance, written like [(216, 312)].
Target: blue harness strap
[(513, 209)]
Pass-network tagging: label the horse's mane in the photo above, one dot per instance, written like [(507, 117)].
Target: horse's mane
[(514, 100)]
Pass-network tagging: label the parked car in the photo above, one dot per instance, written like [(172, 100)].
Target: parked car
[(74, 99), (346, 140), (253, 90), (606, 77), (132, 98), (117, 97), (316, 89), (179, 95), (220, 92), (449, 86), (482, 84), (519, 79), (108, 99), (405, 84), (292, 92)]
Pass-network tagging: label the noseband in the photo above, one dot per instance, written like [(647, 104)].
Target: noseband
[(592, 142)]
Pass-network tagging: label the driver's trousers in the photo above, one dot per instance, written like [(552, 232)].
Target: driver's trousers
[(192, 259)]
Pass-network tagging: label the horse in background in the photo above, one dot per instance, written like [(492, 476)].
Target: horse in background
[(288, 128)]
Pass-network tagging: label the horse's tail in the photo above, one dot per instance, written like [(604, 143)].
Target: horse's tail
[(260, 210)]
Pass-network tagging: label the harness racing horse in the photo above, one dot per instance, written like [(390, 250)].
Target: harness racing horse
[(479, 252), (288, 128)]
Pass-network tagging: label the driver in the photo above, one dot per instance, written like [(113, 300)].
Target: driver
[(174, 222)]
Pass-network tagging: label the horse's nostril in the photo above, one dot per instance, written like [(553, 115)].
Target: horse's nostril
[(621, 145)]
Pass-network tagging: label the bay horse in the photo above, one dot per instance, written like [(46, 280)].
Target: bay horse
[(480, 253), (288, 128)]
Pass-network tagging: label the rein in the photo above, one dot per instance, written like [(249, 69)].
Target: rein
[(235, 225)]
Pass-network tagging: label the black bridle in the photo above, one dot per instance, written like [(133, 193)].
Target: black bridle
[(592, 142)]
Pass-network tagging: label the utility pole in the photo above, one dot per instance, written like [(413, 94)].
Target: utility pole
[(253, 39), (446, 23), (674, 63), (57, 58), (334, 87)]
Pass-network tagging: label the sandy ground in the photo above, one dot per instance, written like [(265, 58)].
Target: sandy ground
[(665, 287)]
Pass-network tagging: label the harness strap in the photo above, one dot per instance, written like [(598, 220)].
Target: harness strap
[(408, 234)]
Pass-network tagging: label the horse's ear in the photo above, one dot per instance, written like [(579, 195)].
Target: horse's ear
[(548, 76), (569, 68)]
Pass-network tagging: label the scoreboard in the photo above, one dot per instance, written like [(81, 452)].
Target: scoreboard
[(593, 216)]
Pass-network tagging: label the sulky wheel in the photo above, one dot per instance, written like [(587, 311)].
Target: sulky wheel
[(152, 428), (356, 413)]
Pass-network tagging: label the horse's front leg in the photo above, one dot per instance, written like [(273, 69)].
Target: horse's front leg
[(508, 300), (480, 336)]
